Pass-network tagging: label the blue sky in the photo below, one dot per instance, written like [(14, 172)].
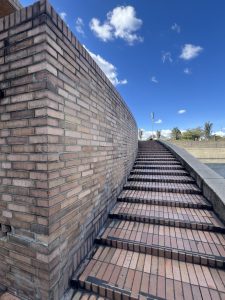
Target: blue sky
[(163, 56)]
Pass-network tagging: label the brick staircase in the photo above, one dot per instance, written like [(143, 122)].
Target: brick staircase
[(162, 240)]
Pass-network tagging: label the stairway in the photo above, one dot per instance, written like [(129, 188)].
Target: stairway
[(162, 240)]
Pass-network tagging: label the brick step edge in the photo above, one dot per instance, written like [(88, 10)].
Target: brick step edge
[(104, 289), (82, 267), (168, 159), (167, 222), (164, 180), (165, 203), (170, 173), (159, 162), (162, 189), (181, 255), (136, 167)]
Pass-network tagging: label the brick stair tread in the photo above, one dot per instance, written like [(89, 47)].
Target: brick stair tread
[(157, 162), (163, 187), (152, 155), (156, 159), (158, 172), (85, 295), (137, 275), (161, 178), (185, 199), (158, 167), (194, 243), (181, 214)]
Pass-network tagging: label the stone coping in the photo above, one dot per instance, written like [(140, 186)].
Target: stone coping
[(211, 183)]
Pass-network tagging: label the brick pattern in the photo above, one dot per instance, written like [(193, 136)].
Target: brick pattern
[(180, 215), (164, 244), (67, 143), (168, 240), (118, 272), (161, 178), (136, 171), (85, 295), (163, 186), (158, 167), (169, 199)]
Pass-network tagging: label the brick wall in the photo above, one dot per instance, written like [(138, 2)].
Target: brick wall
[(67, 143)]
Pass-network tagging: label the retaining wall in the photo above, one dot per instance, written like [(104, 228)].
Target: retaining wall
[(67, 141)]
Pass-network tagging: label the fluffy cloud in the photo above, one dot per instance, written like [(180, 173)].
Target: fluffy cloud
[(166, 56), (153, 79), (63, 15), (176, 27), (165, 133), (187, 71), (121, 23), (182, 111), (159, 121), (190, 51), (109, 69), (79, 25), (104, 32), (220, 133)]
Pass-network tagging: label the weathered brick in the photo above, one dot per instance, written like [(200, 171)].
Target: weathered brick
[(67, 142)]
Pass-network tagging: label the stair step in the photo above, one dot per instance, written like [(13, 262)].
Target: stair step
[(150, 159), (195, 246), (165, 215), (163, 187), (168, 199), (81, 294), (157, 162), (158, 167), (117, 273), (158, 172), (161, 178)]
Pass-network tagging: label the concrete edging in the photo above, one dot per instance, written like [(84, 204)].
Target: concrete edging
[(211, 183)]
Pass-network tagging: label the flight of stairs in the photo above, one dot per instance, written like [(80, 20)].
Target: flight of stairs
[(162, 241)]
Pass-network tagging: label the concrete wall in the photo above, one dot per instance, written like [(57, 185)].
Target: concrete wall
[(211, 183), (67, 143), (208, 152)]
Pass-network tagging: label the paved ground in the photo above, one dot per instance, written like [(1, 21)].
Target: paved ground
[(163, 240), (218, 168)]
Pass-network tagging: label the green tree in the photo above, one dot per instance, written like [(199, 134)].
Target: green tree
[(192, 134), (208, 130), (176, 133), (158, 134)]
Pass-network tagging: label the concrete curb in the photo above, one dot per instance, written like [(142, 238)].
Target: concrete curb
[(211, 183)]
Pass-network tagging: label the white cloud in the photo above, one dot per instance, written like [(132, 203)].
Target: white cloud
[(109, 69), (165, 133), (79, 25), (153, 79), (220, 133), (166, 56), (104, 32), (63, 15), (121, 23), (182, 111), (159, 121), (176, 27), (190, 51), (187, 71)]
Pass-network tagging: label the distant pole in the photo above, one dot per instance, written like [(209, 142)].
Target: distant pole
[(153, 118)]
